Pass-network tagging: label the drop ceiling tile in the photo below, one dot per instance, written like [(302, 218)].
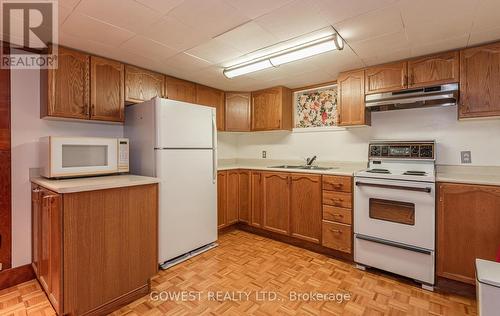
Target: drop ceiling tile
[(161, 6), (388, 57), (481, 37), (148, 48), (337, 61), (304, 79), (255, 8), (185, 63), (214, 51), (372, 24), (86, 27), (86, 45), (127, 14), (210, 17), (428, 21), (70, 4), (439, 46), (173, 33), (486, 17), (381, 46), (339, 10), (248, 37), (63, 14), (294, 19)]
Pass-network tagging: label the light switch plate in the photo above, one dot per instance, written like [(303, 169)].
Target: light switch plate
[(465, 156), (264, 154)]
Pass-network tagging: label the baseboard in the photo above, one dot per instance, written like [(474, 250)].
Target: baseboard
[(15, 276), (448, 286), (226, 229)]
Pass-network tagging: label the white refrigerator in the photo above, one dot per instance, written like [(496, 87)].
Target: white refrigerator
[(177, 142)]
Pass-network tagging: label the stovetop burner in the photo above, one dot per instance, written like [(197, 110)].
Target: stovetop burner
[(378, 171), (415, 173)]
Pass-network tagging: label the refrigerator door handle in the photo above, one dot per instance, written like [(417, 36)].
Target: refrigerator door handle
[(214, 147)]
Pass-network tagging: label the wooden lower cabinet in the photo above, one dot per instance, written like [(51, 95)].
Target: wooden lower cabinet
[(221, 198), (337, 236), (305, 207), (256, 197), (233, 201), (276, 208), (244, 195), (468, 218), (96, 249)]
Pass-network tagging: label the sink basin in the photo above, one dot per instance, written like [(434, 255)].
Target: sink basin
[(303, 167)]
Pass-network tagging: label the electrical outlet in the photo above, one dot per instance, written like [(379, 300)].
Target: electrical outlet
[(264, 154), (465, 157)]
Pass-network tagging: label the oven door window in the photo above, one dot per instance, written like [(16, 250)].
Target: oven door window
[(84, 156), (392, 211)]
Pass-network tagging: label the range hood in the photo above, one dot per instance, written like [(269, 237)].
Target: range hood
[(441, 95)]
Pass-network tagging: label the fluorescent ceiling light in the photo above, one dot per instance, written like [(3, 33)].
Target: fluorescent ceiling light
[(286, 55), (247, 68)]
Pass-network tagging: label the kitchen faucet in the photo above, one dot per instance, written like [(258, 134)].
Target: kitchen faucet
[(309, 161)]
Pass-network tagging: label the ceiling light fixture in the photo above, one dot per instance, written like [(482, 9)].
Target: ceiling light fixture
[(312, 48)]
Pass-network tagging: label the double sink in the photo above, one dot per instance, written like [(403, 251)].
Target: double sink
[(303, 167)]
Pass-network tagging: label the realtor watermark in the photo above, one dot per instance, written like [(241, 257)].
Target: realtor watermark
[(256, 296), (29, 28)]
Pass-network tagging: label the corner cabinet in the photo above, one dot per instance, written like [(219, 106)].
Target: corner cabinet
[(479, 82), (79, 251), (272, 109), (212, 97), (351, 99), (468, 218), (387, 77), (433, 70), (237, 112), (142, 85)]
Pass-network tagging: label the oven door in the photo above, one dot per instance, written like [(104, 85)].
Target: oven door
[(395, 210), (85, 156)]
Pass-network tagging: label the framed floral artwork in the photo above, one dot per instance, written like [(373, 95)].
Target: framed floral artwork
[(316, 107)]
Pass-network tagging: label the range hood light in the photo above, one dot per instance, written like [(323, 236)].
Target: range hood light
[(232, 72)]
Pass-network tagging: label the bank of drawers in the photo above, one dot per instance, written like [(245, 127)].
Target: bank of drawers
[(337, 213)]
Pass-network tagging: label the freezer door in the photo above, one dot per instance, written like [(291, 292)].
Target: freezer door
[(188, 201), (184, 125)]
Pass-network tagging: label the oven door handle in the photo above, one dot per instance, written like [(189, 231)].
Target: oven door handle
[(395, 187), (393, 244)]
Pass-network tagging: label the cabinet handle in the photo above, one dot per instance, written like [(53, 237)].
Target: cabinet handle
[(336, 231), (338, 215), (36, 190)]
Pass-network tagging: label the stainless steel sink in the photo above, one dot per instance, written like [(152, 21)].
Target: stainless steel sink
[(303, 167), (287, 167)]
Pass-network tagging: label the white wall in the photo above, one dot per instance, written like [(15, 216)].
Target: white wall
[(26, 128), (482, 137)]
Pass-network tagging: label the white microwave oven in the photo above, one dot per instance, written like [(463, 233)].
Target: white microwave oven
[(66, 157)]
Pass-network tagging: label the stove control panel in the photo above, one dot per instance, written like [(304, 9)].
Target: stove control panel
[(402, 150)]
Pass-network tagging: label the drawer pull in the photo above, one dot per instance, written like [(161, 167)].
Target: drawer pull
[(336, 231), (338, 215)]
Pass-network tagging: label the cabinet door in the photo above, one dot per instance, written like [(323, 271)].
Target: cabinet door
[(36, 241), (468, 228), (221, 198), (388, 77), (305, 207), (276, 211), (44, 235), (433, 70), (107, 90), (479, 81), (68, 87), (232, 197), (142, 85), (351, 99), (256, 199), (55, 266), (266, 109), (180, 90), (244, 196), (237, 112), (214, 98)]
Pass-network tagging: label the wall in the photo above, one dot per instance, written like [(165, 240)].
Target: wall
[(440, 123), (27, 127)]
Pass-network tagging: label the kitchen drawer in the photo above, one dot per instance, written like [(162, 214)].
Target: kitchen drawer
[(337, 236), (338, 199), (337, 183), (337, 214)]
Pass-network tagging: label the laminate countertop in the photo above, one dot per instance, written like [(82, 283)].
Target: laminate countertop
[(338, 168), (93, 183), (485, 175)]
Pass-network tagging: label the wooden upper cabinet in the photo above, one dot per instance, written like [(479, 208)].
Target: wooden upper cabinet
[(433, 70), (107, 90), (237, 112), (180, 90), (276, 207), (214, 98), (65, 91), (272, 109), (351, 99), (305, 207), (479, 81), (387, 77), (142, 85), (468, 218)]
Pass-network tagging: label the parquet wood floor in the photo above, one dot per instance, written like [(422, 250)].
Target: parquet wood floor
[(246, 262)]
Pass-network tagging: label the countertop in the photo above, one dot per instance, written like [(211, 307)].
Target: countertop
[(93, 183), (340, 168), (486, 175)]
